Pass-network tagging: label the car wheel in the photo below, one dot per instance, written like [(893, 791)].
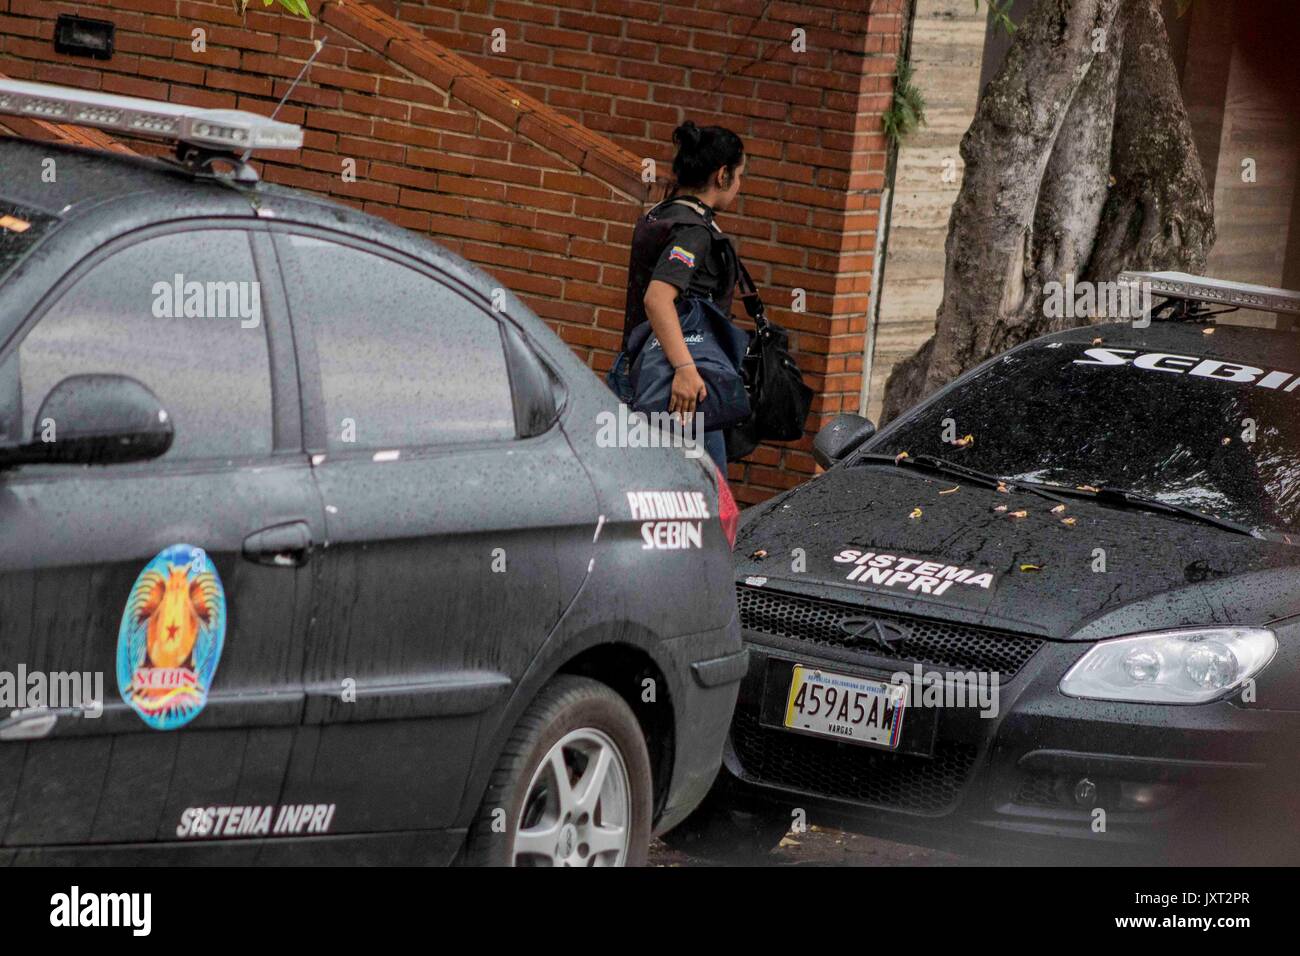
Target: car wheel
[(572, 786), (716, 831)]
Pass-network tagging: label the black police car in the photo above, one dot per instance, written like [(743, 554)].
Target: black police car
[(1080, 561), (324, 511)]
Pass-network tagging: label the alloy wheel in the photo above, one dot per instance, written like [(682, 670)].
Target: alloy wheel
[(578, 808)]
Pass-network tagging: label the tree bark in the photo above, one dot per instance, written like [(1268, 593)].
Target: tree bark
[(1070, 171), (1076, 184), (1160, 214)]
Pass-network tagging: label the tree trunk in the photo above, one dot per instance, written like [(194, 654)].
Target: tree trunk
[(1076, 185), (1160, 214), (1079, 162)]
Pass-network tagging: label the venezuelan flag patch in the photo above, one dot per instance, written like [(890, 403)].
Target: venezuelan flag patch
[(684, 256)]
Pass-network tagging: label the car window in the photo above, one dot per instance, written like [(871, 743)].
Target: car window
[(404, 359), (180, 313)]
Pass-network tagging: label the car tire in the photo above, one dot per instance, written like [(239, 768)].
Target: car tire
[(528, 817), (725, 834)]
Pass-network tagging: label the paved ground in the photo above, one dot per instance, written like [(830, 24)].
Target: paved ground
[(824, 847)]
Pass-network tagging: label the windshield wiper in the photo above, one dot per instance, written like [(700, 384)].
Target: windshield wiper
[(953, 470), (1118, 496), (1057, 493)]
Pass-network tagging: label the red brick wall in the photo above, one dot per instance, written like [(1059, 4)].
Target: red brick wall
[(809, 205), (527, 161), (440, 146)]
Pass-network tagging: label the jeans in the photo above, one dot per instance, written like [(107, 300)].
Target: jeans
[(715, 443)]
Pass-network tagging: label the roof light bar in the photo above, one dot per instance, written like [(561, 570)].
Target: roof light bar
[(225, 130), (1180, 285)]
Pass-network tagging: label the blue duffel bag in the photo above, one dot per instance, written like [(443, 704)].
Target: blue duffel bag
[(717, 348)]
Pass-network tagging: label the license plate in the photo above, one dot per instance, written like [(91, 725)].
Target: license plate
[(846, 708)]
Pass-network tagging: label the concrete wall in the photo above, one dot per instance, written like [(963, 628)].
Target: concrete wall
[(947, 52), (1241, 83)]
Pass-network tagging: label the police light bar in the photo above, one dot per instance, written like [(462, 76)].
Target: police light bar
[(228, 130), (1180, 285)]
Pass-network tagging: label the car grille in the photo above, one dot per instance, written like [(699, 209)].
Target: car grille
[(829, 768), (1041, 790), (928, 641)]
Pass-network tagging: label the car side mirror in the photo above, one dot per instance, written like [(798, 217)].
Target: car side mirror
[(95, 420), (841, 435)]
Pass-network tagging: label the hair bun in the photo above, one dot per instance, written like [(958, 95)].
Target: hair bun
[(688, 134)]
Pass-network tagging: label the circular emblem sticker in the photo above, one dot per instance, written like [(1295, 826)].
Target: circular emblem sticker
[(171, 636)]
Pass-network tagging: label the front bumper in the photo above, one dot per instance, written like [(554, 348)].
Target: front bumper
[(1048, 777)]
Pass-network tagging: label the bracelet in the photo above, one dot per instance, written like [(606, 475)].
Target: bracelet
[(683, 365)]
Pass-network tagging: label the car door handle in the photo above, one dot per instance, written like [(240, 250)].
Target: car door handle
[(282, 545), (29, 726)]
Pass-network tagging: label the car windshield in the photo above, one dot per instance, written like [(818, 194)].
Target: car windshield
[(20, 229), (1219, 437)]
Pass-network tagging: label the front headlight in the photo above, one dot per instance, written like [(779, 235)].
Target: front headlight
[(1188, 666)]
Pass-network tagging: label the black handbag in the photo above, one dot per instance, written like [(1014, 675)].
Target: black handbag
[(717, 348), (778, 397)]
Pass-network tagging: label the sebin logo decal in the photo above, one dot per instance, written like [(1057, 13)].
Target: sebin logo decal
[(171, 636), (670, 520), (1197, 365)]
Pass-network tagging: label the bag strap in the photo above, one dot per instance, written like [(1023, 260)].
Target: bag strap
[(749, 294)]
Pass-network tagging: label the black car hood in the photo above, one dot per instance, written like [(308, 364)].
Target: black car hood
[(1044, 576)]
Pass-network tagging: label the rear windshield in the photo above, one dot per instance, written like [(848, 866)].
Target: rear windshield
[(1221, 437), (21, 229)]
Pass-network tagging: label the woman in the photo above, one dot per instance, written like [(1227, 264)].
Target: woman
[(678, 250)]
